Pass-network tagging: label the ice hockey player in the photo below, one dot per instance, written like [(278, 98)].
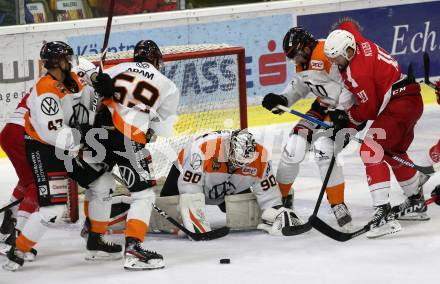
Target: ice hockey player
[(12, 141), (53, 108), (394, 103), (231, 166), (314, 74), (142, 100)]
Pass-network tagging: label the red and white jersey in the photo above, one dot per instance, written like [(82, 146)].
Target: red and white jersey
[(369, 76), (204, 168), (17, 117), (143, 97), (322, 79), (51, 110)]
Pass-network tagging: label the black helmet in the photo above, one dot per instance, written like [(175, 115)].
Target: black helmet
[(52, 51), (295, 40), (147, 50)]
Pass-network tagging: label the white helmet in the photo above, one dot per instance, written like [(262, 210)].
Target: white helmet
[(337, 43), (85, 70), (243, 148)]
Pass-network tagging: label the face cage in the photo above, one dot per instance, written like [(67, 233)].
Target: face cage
[(243, 161)]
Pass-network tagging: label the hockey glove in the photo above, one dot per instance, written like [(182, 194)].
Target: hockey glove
[(437, 91), (436, 192), (271, 100), (104, 85), (274, 220), (339, 118)]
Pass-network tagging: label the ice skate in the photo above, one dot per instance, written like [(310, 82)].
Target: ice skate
[(414, 208), (380, 225), (138, 258), (15, 260), (100, 249), (342, 214)]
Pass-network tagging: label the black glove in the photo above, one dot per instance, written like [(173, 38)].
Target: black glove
[(436, 192), (103, 85), (271, 100), (339, 118)]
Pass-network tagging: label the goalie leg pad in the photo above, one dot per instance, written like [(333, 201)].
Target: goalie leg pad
[(242, 211), (169, 204), (193, 211)]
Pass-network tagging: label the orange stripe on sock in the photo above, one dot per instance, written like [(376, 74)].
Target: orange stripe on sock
[(136, 229), (86, 208), (335, 194), (98, 226), (24, 244), (284, 188)]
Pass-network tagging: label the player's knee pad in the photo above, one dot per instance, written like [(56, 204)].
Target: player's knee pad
[(101, 188), (169, 204), (193, 212), (50, 214), (242, 211), (141, 205), (295, 149)]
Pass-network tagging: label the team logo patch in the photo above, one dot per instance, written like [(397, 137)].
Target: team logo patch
[(142, 65), (127, 175), (196, 161), (317, 64), (249, 171), (49, 106)]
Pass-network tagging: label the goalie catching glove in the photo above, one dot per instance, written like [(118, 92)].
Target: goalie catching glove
[(271, 100), (274, 220)]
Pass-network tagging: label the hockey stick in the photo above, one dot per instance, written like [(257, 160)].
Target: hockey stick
[(296, 230), (339, 236), (426, 68), (107, 34), (10, 205), (428, 170), (207, 236)]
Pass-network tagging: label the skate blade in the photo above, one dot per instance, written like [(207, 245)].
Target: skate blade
[(392, 228), (415, 217), (133, 264), (102, 256), (29, 257)]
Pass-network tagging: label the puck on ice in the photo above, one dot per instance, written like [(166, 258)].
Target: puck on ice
[(225, 261)]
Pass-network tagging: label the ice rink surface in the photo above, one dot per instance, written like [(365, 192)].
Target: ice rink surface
[(411, 256)]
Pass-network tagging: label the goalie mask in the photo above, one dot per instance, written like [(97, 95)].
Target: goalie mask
[(295, 40), (52, 52), (148, 51), (242, 148)]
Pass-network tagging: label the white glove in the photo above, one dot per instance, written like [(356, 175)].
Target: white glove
[(275, 219)]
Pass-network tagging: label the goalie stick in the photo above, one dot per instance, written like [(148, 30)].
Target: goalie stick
[(339, 236), (296, 230), (207, 236), (427, 170)]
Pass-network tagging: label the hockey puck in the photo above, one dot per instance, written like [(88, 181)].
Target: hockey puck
[(225, 261)]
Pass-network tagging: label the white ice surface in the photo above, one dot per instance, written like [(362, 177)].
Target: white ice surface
[(412, 256)]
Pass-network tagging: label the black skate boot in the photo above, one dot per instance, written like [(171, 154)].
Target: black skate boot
[(383, 223), (414, 208), (7, 226), (15, 259), (100, 249), (138, 258), (342, 215)]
